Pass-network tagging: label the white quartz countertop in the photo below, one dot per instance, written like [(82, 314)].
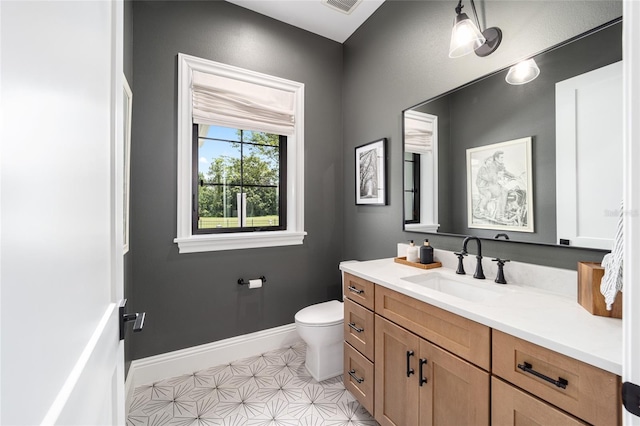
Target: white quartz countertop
[(547, 319)]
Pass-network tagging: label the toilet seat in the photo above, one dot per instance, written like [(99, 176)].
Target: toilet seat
[(323, 314)]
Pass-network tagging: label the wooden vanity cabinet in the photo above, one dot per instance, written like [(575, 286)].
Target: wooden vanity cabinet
[(467, 339), (512, 407), (359, 339), (359, 290), (419, 383), (582, 390), (358, 328), (433, 367)]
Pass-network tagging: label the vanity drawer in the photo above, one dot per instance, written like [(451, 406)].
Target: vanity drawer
[(589, 392), (465, 338), (510, 407), (359, 290), (358, 328), (358, 377)]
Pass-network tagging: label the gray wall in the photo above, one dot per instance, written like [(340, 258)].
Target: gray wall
[(399, 58), (191, 299)]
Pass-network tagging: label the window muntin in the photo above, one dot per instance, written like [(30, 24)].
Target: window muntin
[(240, 180)]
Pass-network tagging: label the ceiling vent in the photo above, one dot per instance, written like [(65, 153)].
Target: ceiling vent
[(344, 6)]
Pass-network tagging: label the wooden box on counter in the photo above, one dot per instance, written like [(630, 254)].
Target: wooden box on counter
[(403, 260), (589, 297)]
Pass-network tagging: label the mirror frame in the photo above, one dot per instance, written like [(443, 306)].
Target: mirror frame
[(470, 83)]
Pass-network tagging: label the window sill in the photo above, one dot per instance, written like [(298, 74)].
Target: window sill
[(421, 227), (239, 241)]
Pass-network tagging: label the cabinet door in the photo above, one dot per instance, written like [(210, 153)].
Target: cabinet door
[(396, 393), (455, 392), (467, 339), (511, 406)]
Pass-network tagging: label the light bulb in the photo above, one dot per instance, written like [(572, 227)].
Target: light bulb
[(465, 37), (523, 72)]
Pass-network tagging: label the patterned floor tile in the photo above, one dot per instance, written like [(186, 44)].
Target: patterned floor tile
[(272, 389)]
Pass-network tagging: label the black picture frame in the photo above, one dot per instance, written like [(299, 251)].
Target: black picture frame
[(371, 173)]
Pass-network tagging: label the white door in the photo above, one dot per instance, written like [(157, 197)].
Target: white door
[(61, 212), (589, 134), (631, 122)]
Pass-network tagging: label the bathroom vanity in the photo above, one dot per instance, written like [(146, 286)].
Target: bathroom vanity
[(428, 347)]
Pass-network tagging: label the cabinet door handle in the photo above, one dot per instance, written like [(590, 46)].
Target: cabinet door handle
[(409, 369), (352, 373), (528, 368), (355, 290), (353, 325), (423, 362)]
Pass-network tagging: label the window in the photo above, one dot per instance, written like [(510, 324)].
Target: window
[(238, 181), (259, 120), (420, 172)]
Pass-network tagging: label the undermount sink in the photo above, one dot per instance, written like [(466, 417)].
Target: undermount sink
[(465, 288)]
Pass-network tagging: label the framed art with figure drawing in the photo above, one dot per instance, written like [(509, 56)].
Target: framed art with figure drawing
[(371, 185), (499, 186)]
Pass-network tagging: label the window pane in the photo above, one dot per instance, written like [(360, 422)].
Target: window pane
[(262, 207), (409, 203), (219, 162), (260, 165), (238, 179), (260, 138), (218, 207), (219, 132)]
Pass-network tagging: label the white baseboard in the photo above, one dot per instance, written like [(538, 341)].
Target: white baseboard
[(186, 361)]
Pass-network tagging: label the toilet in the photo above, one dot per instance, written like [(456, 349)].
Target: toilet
[(321, 328)]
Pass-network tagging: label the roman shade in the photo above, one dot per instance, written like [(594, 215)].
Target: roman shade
[(229, 102), (418, 135)]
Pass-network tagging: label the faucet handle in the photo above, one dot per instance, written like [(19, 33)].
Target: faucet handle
[(461, 255), (500, 277)]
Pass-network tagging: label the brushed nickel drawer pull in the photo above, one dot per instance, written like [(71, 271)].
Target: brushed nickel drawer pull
[(353, 325), (352, 373), (528, 368), (355, 290)]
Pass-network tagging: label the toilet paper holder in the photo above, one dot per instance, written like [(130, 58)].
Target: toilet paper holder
[(241, 281)]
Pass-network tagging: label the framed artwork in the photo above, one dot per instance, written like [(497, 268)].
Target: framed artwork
[(371, 185), (499, 186), (128, 103)]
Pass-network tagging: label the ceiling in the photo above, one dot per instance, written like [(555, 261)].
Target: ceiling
[(314, 15)]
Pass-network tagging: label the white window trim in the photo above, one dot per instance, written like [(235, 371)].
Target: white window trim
[(428, 178), (294, 233)]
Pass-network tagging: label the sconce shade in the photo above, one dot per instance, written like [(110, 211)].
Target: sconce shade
[(465, 37), (523, 72)]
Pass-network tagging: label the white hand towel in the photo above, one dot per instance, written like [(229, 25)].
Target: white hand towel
[(612, 263)]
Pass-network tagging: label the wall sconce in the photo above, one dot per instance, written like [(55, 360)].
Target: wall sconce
[(466, 36), (523, 72)]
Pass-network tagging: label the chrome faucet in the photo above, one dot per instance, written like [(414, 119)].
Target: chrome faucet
[(479, 274)]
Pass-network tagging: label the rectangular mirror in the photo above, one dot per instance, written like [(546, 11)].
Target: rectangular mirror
[(572, 114)]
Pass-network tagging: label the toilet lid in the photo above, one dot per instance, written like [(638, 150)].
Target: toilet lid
[(321, 314)]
